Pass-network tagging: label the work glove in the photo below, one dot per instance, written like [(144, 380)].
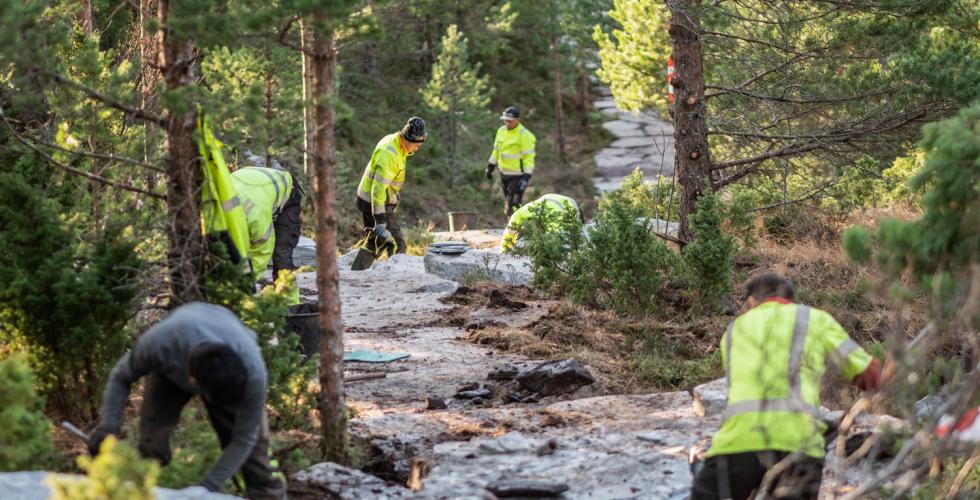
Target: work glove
[(381, 231), (95, 439), (489, 171), (522, 184)]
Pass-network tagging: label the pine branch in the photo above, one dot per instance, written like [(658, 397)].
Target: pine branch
[(108, 101), (73, 170)]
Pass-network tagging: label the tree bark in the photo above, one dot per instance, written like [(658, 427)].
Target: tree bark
[(583, 100), (691, 156), (267, 103), (333, 410), (149, 47), (186, 245), (84, 16), (559, 113), (308, 125)]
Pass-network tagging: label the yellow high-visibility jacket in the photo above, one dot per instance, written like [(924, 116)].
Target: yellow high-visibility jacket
[(263, 192), (384, 175), (221, 210), (513, 150), (774, 356), (553, 203)]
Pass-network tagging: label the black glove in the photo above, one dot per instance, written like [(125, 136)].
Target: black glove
[(522, 184), (95, 439), (490, 171)]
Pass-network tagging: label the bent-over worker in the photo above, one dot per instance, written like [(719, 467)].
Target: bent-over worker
[(774, 355), (554, 204), (198, 349), (272, 201), (377, 194), (513, 153)]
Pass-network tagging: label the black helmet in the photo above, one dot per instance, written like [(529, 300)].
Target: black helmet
[(511, 113), (414, 130)]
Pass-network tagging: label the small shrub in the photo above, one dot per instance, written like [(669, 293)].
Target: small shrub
[(624, 265), (708, 259), (670, 364), (25, 442), (118, 473), (65, 298), (195, 449), (620, 264)]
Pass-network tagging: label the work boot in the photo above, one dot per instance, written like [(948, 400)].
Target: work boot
[(362, 260)]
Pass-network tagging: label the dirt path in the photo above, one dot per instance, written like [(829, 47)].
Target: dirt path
[(598, 447), (642, 140)]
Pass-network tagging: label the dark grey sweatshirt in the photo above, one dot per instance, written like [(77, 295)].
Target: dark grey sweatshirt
[(165, 348)]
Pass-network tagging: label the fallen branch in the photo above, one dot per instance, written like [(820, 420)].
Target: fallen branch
[(366, 376)]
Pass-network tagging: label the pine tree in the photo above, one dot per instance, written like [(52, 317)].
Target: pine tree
[(456, 89), (792, 87)]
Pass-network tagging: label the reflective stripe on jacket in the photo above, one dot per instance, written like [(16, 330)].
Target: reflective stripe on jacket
[(555, 204), (263, 192), (221, 207), (384, 175), (774, 356), (513, 150)]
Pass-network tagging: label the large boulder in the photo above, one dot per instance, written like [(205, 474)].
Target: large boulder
[(711, 398), (555, 377), (480, 265)]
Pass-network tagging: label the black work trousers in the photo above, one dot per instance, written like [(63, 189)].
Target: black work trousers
[(513, 194), (374, 245), (287, 229), (163, 402), (739, 476)]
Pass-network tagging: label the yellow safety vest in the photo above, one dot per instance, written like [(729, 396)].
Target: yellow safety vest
[(263, 192), (384, 175), (774, 356), (221, 209), (553, 203), (513, 150)]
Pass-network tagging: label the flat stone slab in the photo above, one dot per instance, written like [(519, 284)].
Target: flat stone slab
[(639, 117), (476, 238), (620, 128), (330, 480), (630, 446), (604, 103), (480, 265), (630, 142), (32, 485), (604, 162)]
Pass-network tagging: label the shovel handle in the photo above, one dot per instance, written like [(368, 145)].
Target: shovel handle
[(75, 431)]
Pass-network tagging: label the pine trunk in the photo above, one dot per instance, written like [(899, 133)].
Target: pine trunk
[(691, 162), (559, 113), (333, 411), (308, 125), (186, 245), (583, 100), (149, 76)]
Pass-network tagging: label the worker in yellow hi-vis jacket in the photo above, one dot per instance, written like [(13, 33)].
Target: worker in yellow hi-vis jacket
[(513, 153), (272, 202), (774, 355), (377, 194)]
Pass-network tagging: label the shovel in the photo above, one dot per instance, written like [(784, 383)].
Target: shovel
[(75, 431)]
